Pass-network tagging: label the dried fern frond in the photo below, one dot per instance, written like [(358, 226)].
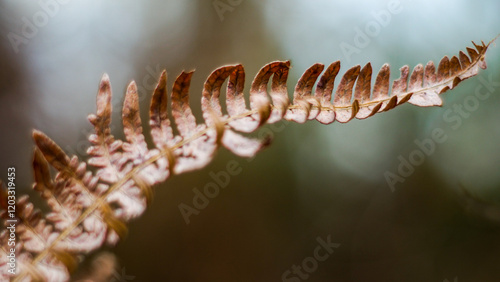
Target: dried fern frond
[(90, 210)]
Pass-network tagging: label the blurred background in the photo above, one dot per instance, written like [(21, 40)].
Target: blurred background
[(315, 182)]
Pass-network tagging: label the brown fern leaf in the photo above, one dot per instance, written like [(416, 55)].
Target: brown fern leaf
[(89, 210), (33, 234)]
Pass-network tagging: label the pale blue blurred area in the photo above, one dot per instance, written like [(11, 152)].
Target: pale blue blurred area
[(417, 32), (85, 39), (314, 180)]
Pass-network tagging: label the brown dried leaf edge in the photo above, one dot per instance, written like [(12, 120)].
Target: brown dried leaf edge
[(89, 210)]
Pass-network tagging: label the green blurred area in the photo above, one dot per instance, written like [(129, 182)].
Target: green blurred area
[(314, 181)]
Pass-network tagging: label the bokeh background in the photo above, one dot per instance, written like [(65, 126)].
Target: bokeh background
[(441, 223)]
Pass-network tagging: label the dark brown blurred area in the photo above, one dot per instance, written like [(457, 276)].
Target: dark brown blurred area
[(15, 107), (315, 182)]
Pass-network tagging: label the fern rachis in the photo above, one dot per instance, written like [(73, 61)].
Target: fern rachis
[(90, 210)]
